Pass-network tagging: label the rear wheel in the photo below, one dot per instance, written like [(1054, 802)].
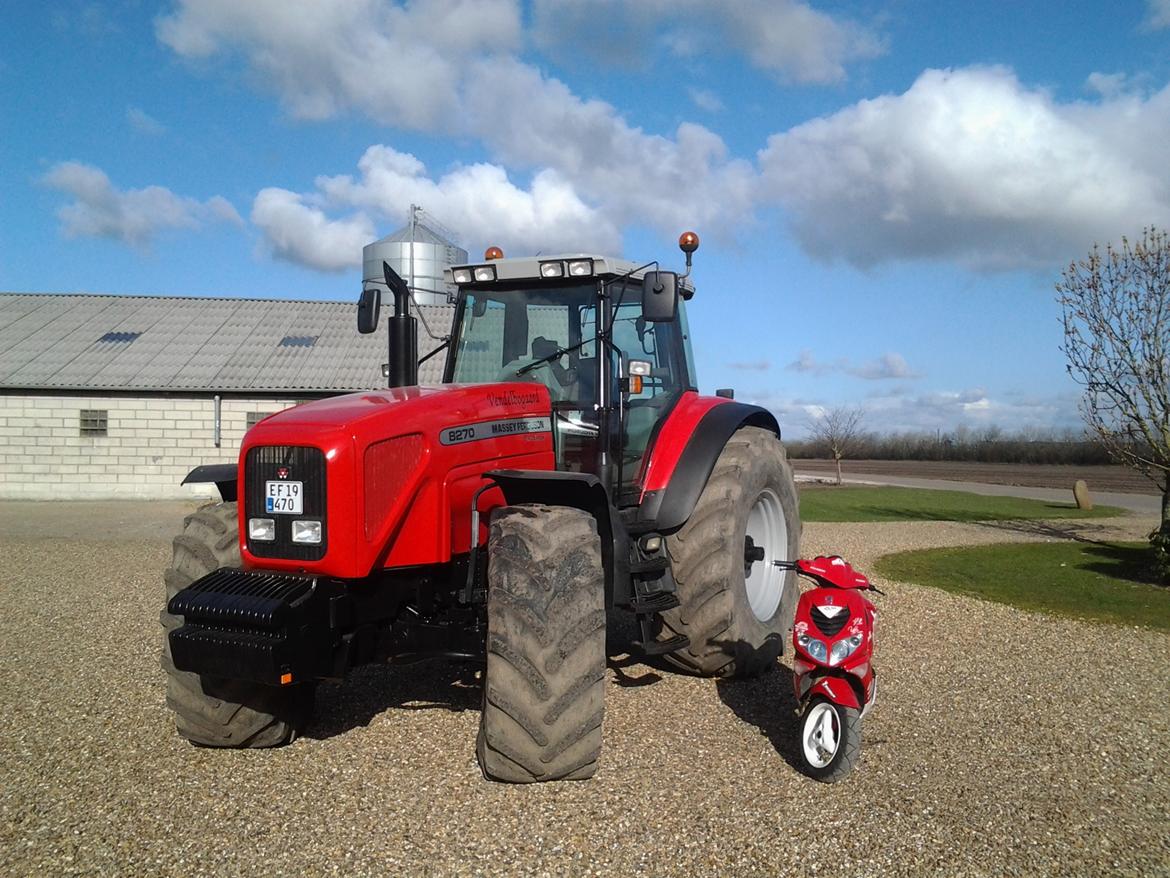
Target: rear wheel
[(830, 740), (736, 606), (544, 686), (212, 711)]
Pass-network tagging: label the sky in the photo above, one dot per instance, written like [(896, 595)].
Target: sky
[(886, 192)]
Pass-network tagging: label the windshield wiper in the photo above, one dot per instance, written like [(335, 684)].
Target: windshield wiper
[(555, 355)]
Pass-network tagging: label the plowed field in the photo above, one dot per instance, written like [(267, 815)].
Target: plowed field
[(1099, 478)]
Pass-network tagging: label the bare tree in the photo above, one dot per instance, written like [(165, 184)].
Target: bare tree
[(1116, 315), (838, 429)]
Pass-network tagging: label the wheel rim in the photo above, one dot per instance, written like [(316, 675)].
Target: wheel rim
[(767, 529), (821, 735)]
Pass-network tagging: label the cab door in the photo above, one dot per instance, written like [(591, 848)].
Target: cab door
[(647, 401)]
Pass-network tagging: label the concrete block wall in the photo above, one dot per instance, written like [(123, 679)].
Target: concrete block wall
[(151, 444)]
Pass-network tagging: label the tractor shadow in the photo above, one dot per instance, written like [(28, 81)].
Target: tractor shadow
[(768, 703), (621, 629), (445, 684), (370, 690)]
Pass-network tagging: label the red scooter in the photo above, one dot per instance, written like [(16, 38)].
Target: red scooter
[(832, 667)]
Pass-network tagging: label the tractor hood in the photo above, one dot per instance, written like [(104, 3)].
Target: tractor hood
[(385, 471), (439, 404)]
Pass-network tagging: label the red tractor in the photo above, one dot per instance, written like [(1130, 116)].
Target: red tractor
[(565, 467)]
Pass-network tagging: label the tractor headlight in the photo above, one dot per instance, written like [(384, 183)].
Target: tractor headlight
[(461, 275), (306, 531), (552, 269), (485, 272), (262, 529), (581, 268), (844, 648), (815, 648)]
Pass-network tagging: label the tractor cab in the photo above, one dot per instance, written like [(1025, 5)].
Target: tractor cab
[(608, 338)]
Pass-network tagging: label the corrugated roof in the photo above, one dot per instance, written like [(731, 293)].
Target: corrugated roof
[(161, 343)]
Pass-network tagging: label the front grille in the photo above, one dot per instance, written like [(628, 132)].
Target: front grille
[(829, 626), (297, 464)]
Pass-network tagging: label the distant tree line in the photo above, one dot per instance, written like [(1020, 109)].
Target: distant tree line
[(985, 445)]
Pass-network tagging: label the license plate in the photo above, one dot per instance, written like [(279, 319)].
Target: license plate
[(286, 497)]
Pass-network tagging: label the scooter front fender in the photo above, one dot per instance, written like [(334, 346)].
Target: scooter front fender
[(835, 689)]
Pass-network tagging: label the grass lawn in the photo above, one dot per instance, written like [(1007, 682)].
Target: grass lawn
[(919, 504), (1109, 582)]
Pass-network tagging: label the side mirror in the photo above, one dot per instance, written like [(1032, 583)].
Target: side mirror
[(659, 296), (367, 312)]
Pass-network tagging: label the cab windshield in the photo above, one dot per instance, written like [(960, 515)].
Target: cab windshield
[(502, 332), (518, 335)]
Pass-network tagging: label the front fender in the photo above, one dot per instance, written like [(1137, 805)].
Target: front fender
[(581, 491), (225, 476), (835, 689)]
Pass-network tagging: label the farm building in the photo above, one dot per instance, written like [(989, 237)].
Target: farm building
[(121, 396)]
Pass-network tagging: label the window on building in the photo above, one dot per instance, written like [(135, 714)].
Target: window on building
[(118, 337), (298, 341), (255, 418), (94, 422)]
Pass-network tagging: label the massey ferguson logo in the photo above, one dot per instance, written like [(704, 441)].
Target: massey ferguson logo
[(282, 472)]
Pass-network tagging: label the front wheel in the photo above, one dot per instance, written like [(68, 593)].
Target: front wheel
[(544, 687), (830, 740), (212, 711)]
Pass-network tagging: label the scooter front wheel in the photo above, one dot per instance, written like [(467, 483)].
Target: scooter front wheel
[(830, 740)]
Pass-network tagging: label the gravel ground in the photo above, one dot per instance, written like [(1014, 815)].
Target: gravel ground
[(1003, 743)]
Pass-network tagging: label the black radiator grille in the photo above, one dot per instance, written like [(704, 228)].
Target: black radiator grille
[(830, 626), (293, 463)]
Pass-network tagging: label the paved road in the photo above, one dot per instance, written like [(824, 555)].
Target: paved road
[(1145, 504)]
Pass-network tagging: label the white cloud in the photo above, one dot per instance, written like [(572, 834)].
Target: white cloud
[(970, 165), (401, 65), (670, 183), (448, 66), (886, 367), (785, 37), (1158, 16), (970, 409), (807, 364), (488, 207), (143, 123), (300, 233), (705, 99), (133, 216)]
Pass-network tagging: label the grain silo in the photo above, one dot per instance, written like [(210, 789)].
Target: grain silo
[(418, 252)]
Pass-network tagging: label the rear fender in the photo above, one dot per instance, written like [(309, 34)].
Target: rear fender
[(225, 476), (580, 491), (673, 486)]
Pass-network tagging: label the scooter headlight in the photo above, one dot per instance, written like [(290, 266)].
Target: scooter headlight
[(815, 648), (844, 648)]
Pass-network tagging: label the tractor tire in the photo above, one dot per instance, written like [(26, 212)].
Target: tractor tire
[(212, 711), (544, 686), (737, 620)]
